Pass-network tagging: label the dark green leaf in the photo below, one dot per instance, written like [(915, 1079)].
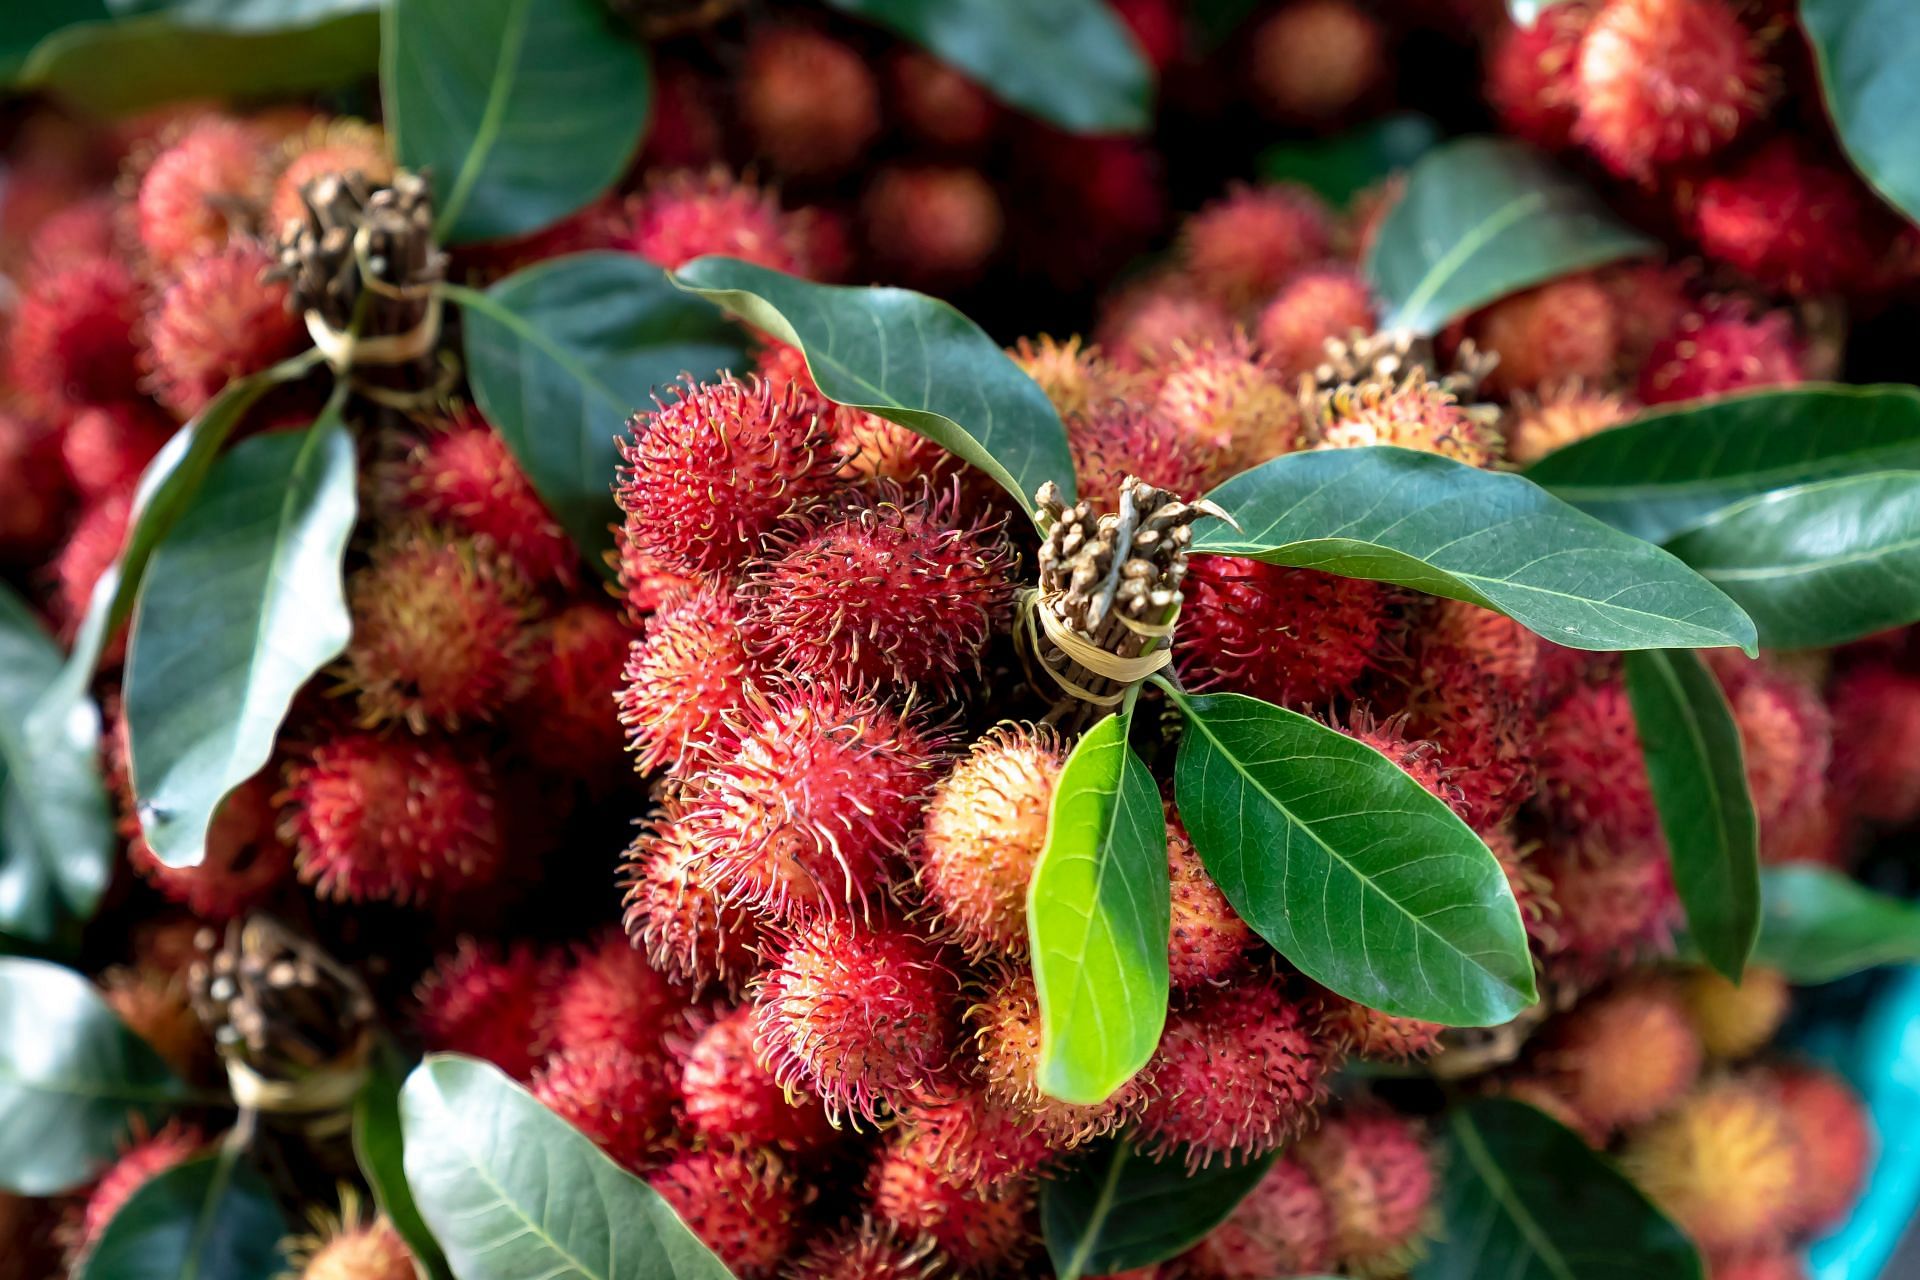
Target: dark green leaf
[(1069, 62), (1356, 873), (71, 1078), (561, 353), (1098, 914), (56, 831), (1488, 538), (1117, 1209), (1866, 50), (24, 26), (1482, 218), (1818, 564), (1670, 468), (1818, 925), (909, 358), (1699, 780), (1340, 168), (522, 110), (244, 15), (378, 1148), (1526, 1199), (212, 1218), (243, 604), (157, 59), (511, 1190)]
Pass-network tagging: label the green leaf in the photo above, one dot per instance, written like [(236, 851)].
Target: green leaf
[(1117, 1210), (1482, 218), (1699, 780), (911, 359), (243, 15), (1817, 564), (561, 353), (1098, 912), (1866, 51), (1526, 1199), (1497, 540), (24, 26), (1069, 62), (1340, 168), (212, 1218), (1366, 881), (157, 59), (512, 1190), (1670, 468), (1819, 925), (71, 1078), (378, 1148), (56, 831), (243, 604), (523, 111)]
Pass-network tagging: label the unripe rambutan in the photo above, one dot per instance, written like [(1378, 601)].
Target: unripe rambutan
[(621, 1099), (1121, 439), (859, 1014), (973, 1138), (243, 861), (490, 1003), (1611, 902), (674, 915), (1315, 60), (1377, 1174), (1625, 1056), (106, 448), (441, 631), (1226, 403), (712, 472), (1240, 248), (1876, 737), (614, 998), (1719, 352), (146, 1159), (809, 101), (1733, 1019), (1317, 304), (71, 341), (1142, 325), (978, 1230), (1283, 1227), (1725, 1164), (1236, 1075), (685, 215), (1351, 1027), (731, 1096), (462, 474), (1593, 776), (864, 1250), (217, 320), (1206, 939), (938, 103), (682, 677), (1835, 1138), (1558, 414), (743, 1205), (207, 184), (1532, 75), (1077, 378), (333, 147), (32, 496), (1291, 636), (153, 1004), (1789, 220), (1666, 81), (575, 673), (1006, 1044), (932, 225), (373, 818), (1564, 329), (90, 550)]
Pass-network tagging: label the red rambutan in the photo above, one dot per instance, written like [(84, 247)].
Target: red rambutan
[(1121, 439), (1144, 324), (731, 1096), (809, 100), (938, 103), (1725, 1164), (86, 229), (1592, 774), (684, 215), (682, 678), (621, 1099), (575, 674), (684, 131), (1735, 1019), (71, 338), (1206, 939), (675, 917), (1876, 743), (744, 1205), (978, 1230), (1558, 414), (1532, 79), (1377, 1174), (1315, 60), (1609, 905), (243, 860), (106, 448), (864, 1250), (146, 1159), (217, 320), (207, 184), (1836, 1142), (1771, 1265), (91, 548), (1317, 304), (32, 495), (1006, 1043), (1291, 636), (1789, 220), (335, 147), (1560, 330), (614, 998), (1283, 1227), (937, 225), (1353, 1028), (1228, 405), (1786, 735), (1239, 249), (463, 475), (974, 1138), (490, 1003), (1622, 1057), (1719, 352), (1156, 26)]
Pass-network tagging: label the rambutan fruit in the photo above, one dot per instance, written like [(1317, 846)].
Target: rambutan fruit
[(71, 340), (1735, 1019), (859, 1014), (33, 496), (575, 673), (1236, 1075), (1661, 82), (684, 129), (614, 998), (492, 1003), (85, 229), (1460, 638), (823, 791), (808, 100), (1593, 776), (744, 1205), (1622, 1057), (1650, 299), (1094, 204), (1721, 351), (1239, 249), (1532, 75), (682, 677), (864, 1250), (731, 1096), (1283, 1227), (1531, 890), (1564, 329), (1206, 939), (333, 147), (978, 1230), (1725, 1164), (877, 448), (1836, 1142), (92, 547), (441, 631), (1121, 439), (1156, 26), (972, 1137), (106, 448), (208, 183), (375, 818), (1076, 377), (675, 917), (1006, 1045), (1352, 1028), (1786, 735), (1227, 404), (1473, 701), (218, 320), (710, 473), (1376, 1172), (1771, 1265), (1315, 60), (1415, 413), (938, 103), (1144, 324), (351, 1247), (462, 475), (1317, 304), (1611, 901), (1556, 415), (932, 225), (685, 215), (243, 860), (889, 587), (153, 1004), (1291, 636), (1790, 220), (1876, 738), (146, 1159), (621, 1099)]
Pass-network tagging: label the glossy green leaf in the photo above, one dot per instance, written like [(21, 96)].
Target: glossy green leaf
[(1672, 467), (1526, 1199), (24, 26), (243, 604), (56, 831), (1699, 781), (909, 358), (1866, 51), (71, 1079), (1339, 168), (512, 1190), (378, 1148), (1098, 912), (562, 353), (1070, 62), (212, 1218), (1356, 873), (244, 15), (1492, 539), (1117, 1209), (1819, 925), (1482, 218), (1817, 564), (523, 111)]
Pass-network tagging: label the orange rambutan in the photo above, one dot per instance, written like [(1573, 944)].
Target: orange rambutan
[(808, 100), (243, 860), (1143, 324), (864, 1250), (744, 1205), (1622, 1057), (218, 320), (731, 1096), (1876, 741), (675, 917), (1226, 404), (1317, 304), (1736, 1019), (208, 183), (1557, 414), (334, 147), (1239, 249), (350, 1247), (1291, 636), (1283, 1227), (685, 215), (105, 448), (33, 497), (614, 998), (623, 1100), (938, 103), (1532, 79), (147, 1158), (1415, 413), (71, 337), (1077, 377), (1725, 1164), (491, 1002), (1377, 1173), (1836, 1142), (682, 678), (1006, 1045), (461, 474), (1560, 330), (1315, 60), (932, 225), (1723, 350), (1206, 940), (984, 1231)]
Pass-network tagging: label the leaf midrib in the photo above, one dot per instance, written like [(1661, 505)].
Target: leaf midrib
[(1102, 1206), (1504, 1195), (513, 38), (1449, 263)]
